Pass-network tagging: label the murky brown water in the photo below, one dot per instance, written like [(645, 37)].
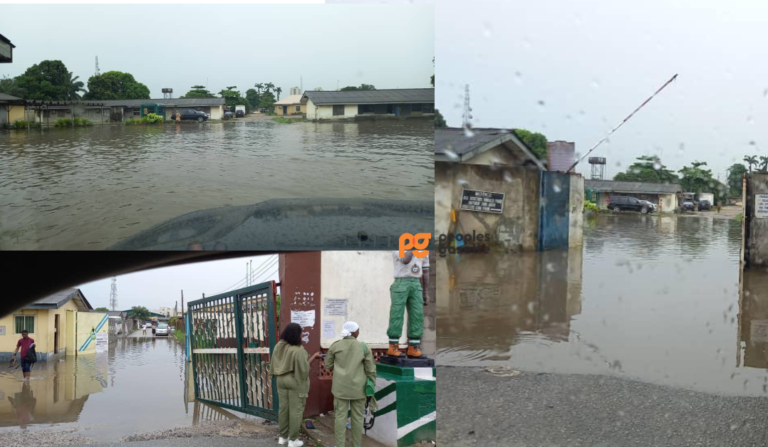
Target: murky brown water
[(89, 188), (138, 386), (646, 298)]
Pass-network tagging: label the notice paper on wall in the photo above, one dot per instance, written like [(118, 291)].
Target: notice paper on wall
[(329, 329), (335, 307), (102, 341), (761, 206), (304, 318)]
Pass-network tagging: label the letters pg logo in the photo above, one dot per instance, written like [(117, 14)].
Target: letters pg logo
[(417, 242)]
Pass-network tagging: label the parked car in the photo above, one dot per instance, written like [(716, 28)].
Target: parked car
[(192, 114), (228, 115), (240, 113), (162, 330), (705, 205), (652, 206), (688, 206), (625, 203)]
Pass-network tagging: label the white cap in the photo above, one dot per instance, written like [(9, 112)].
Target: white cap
[(349, 328)]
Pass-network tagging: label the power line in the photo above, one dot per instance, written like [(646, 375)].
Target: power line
[(242, 281)]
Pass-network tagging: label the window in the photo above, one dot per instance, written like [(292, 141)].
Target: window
[(22, 322), (364, 108), (428, 108), (136, 112), (415, 107), (338, 110), (298, 108), (53, 112)]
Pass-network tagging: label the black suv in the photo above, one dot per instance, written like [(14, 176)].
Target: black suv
[(191, 114), (704, 205), (240, 113), (624, 203)]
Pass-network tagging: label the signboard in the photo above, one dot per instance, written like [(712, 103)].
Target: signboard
[(102, 341), (482, 201), (335, 307), (761, 205)]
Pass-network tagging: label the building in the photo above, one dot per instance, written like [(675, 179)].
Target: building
[(11, 109), (295, 91), (491, 183), (663, 195), (369, 104), (167, 312), (6, 50), (290, 105), (51, 321)]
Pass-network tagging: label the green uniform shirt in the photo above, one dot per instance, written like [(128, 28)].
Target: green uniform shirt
[(350, 368), (290, 364)]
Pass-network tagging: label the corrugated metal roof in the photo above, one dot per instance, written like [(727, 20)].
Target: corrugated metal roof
[(4, 97), (58, 299), (454, 143), (175, 102), (289, 100), (394, 96), (560, 155), (631, 187)]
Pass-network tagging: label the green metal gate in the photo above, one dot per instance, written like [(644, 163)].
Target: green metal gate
[(232, 336)]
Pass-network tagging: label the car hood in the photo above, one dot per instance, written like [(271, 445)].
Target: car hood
[(291, 224)]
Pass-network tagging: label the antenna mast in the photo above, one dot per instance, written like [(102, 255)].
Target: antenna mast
[(467, 124), (98, 72), (113, 295)]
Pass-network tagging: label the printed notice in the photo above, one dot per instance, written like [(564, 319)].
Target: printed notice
[(758, 331), (482, 201), (304, 318), (335, 307), (329, 329), (761, 205), (102, 341)]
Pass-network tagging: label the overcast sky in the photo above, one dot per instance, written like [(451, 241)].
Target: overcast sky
[(591, 63), (177, 46), (162, 287)]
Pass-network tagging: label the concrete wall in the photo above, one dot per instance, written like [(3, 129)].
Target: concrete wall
[(576, 218), (667, 203), (755, 229), (43, 334), (515, 229), (86, 322), (362, 278)]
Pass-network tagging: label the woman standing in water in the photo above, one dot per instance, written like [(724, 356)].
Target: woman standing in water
[(290, 364)]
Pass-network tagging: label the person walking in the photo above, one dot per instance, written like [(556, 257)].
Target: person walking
[(352, 364), (144, 329), (408, 293), (290, 364), (24, 343)]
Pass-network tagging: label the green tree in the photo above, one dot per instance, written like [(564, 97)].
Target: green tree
[(535, 141), (102, 309), (233, 98), (139, 312), (750, 160), (647, 168), (695, 178), (362, 87), (763, 164), (267, 100), (735, 174), (278, 91), (439, 120), (199, 91), (253, 98), (10, 86), (74, 87), (269, 86), (115, 85), (46, 81), (259, 87)]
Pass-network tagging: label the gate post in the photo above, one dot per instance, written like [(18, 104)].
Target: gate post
[(240, 360)]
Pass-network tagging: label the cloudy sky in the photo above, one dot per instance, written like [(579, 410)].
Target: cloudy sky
[(177, 46), (162, 287), (573, 70)]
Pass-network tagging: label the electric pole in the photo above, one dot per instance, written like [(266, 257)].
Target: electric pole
[(98, 72), (467, 124), (113, 294)]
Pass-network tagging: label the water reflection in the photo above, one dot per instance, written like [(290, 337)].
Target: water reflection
[(88, 188), (753, 333), (654, 299)]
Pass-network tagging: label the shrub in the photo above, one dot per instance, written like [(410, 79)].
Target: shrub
[(133, 121), (152, 118), (282, 120), (590, 206), (22, 125), (78, 122), (738, 217)]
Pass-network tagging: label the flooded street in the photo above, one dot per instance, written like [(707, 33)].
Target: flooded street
[(651, 299), (137, 387), (89, 188)]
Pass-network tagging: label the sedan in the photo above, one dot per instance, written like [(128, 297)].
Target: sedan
[(162, 330)]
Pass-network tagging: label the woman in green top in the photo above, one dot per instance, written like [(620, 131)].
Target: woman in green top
[(290, 364)]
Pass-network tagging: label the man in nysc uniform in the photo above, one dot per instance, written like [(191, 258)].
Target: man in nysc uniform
[(409, 291), (352, 364)]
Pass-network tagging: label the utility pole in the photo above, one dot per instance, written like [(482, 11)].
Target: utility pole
[(98, 72), (182, 304), (467, 124), (113, 294)]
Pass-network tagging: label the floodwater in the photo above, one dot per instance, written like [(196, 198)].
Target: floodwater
[(648, 298), (138, 386), (89, 188)]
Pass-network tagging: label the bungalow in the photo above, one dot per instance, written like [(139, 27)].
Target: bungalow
[(11, 109), (369, 104), (663, 195), (290, 105), (53, 323)]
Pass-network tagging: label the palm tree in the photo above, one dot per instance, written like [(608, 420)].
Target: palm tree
[(763, 164), (10, 86), (74, 87), (750, 160), (259, 87), (278, 90), (269, 86)]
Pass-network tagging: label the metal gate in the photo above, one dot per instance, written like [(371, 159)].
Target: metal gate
[(554, 210), (232, 336)]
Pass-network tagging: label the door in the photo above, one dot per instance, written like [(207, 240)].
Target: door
[(554, 210), (232, 337), (55, 334), (285, 110)]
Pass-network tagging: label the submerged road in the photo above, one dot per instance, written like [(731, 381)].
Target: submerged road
[(478, 408)]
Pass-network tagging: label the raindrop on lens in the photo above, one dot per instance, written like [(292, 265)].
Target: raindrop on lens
[(468, 132)]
